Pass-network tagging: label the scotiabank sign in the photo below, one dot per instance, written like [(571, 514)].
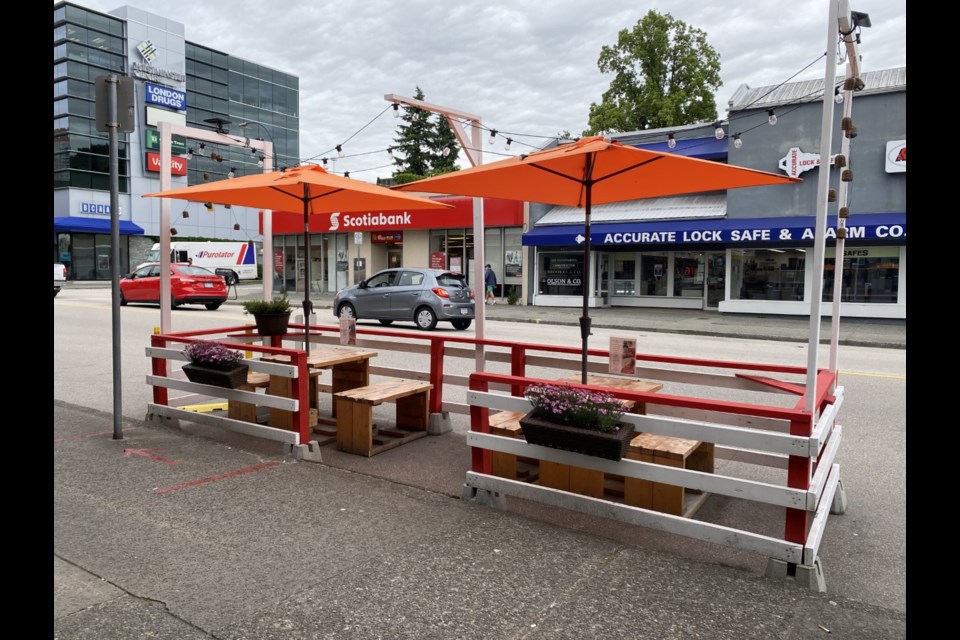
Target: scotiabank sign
[(178, 166), (496, 213)]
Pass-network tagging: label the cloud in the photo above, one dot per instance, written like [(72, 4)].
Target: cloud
[(525, 67)]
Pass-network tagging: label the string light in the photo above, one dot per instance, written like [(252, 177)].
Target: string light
[(718, 133), (837, 96), (232, 173), (184, 214), (506, 147), (346, 174), (737, 142), (493, 136), (339, 151), (446, 151), (671, 141), (190, 153), (771, 117), (390, 152), (200, 150), (260, 162), (396, 109)]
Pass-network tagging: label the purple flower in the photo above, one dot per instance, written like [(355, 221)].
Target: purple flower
[(214, 355), (564, 404)]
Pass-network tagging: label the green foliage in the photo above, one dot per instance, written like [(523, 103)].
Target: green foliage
[(279, 304), (665, 75), (512, 297), (418, 147)]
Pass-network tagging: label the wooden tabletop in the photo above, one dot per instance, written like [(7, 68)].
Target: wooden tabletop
[(627, 384), (326, 357)]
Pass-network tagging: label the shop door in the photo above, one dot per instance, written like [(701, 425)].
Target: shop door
[(715, 280)]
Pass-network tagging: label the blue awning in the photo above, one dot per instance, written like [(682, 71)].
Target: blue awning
[(886, 227), (80, 224)]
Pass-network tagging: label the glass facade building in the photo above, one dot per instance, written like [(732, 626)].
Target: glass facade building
[(214, 86)]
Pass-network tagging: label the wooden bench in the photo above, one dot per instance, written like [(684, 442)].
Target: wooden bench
[(507, 465), (355, 428), (247, 411), (672, 452)]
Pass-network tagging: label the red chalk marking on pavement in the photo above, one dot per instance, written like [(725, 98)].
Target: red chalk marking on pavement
[(146, 454), (89, 435), (229, 474)]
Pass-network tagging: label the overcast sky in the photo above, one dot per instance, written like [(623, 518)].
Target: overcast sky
[(525, 67)]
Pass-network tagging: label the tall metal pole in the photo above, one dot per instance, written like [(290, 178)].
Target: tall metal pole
[(823, 185), (268, 268), (114, 125), (166, 154)]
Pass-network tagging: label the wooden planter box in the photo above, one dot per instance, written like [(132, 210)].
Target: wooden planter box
[(230, 379), (611, 446)]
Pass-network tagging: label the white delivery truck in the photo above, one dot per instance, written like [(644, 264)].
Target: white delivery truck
[(234, 261)]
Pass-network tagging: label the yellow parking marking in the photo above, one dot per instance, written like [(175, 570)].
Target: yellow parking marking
[(873, 375), (204, 408)]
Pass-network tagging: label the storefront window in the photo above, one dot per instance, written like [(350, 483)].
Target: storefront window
[(767, 274), (653, 274), (513, 259), (688, 269), (870, 274), (561, 274), (624, 276)]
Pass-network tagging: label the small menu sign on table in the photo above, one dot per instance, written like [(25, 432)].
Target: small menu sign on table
[(623, 356)]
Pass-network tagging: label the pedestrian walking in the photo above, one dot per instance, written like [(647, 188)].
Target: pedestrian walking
[(490, 279)]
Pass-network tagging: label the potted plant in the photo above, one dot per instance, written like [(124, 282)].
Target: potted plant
[(272, 316), (575, 419), (214, 364)]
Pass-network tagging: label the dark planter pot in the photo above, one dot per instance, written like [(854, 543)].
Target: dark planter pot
[(229, 379), (611, 446), (272, 324)]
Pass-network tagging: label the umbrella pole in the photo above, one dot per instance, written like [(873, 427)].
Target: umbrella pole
[(307, 307), (585, 319)]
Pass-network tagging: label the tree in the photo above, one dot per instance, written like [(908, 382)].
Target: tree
[(445, 148), (412, 153), (420, 143), (665, 74)]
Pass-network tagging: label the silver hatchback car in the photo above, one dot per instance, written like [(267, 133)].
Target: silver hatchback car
[(423, 296)]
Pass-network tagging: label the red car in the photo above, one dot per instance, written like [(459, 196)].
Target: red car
[(188, 285)]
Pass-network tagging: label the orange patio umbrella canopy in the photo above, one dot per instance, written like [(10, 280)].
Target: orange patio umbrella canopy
[(594, 171), (309, 187)]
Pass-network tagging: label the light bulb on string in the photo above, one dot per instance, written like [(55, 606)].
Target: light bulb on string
[(260, 162), (396, 109), (737, 142), (390, 152), (671, 141), (339, 151), (506, 147), (493, 136), (837, 95), (771, 117), (718, 132)]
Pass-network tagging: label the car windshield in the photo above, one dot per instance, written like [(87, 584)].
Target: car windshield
[(451, 280), (190, 270)]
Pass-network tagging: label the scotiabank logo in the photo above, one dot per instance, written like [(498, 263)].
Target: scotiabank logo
[(178, 166), (334, 221), (374, 219)]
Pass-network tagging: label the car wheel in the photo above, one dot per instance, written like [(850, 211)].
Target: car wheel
[(425, 318), (346, 310), (173, 303), (386, 323), (213, 306), (460, 325), (123, 300)]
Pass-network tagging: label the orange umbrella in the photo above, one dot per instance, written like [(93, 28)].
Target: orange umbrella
[(594, 171), (309, 187)]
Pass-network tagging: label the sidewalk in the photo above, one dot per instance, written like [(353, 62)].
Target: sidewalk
[(172, 536), (861, 332)]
